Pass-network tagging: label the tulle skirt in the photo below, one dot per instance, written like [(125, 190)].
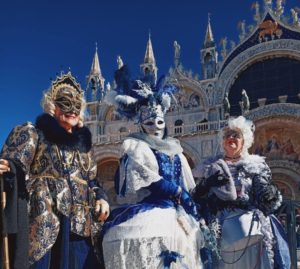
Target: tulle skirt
[(146, 239)]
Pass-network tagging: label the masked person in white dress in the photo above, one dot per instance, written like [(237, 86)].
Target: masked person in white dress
[(156, 224)]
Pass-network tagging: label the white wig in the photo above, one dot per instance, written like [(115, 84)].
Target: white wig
[(247, 129)]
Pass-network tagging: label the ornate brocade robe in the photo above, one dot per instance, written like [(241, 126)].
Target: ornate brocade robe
[(60, 180)]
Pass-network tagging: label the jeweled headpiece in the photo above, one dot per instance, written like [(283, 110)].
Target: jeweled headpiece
[(138, 99), (67, 94)]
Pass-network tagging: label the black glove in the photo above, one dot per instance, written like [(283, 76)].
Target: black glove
[(188, 204), (215, 180), (267, 199), (269, 194)]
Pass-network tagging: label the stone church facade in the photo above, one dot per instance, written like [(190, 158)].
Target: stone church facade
[(257, 77)]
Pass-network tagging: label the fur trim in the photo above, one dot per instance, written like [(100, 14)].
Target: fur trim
[(80, 138)]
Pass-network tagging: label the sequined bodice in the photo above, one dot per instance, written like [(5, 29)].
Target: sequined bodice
[(169, 167)]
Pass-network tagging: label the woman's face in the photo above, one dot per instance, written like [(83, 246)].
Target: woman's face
[(233, 142), (66, 120)]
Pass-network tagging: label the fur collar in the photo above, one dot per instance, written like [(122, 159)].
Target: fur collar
[(169, 145), (250, 163), (80, 138)]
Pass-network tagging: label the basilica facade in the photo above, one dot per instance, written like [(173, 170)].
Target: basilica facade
[(257, 77)]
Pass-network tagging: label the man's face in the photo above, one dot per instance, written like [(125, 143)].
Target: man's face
[(153, 121)]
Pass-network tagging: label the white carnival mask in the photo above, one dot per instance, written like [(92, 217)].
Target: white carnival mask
[(152, 120)]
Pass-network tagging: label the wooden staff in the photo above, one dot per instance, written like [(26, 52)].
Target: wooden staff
[(4, 236)]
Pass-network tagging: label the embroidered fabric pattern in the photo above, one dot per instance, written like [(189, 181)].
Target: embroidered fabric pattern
[(50, 194), (252, 179)]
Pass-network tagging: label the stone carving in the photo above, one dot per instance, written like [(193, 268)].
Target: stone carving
[(245, 103), (279, 8), (226, 106), (119, 62), (269, 28), (210, 91), (177, 51), (268, 4), (295, 18), (108, 87), (242, 27), (282, 109), (223, 43), (257, 17), (232, 44)]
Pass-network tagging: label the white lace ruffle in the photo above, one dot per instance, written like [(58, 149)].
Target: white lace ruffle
[(141, 170), (138, 242)]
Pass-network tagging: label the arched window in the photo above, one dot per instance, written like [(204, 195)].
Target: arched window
[(178, 126), (123, 132)]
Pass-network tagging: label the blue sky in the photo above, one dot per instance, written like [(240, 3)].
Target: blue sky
[(38, 39)]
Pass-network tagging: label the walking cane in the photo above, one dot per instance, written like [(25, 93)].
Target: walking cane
[(4, 236)]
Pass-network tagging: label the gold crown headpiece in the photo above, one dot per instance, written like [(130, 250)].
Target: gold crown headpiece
[(65, 81)]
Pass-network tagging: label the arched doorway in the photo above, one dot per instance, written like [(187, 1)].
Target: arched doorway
[(277, 139), (106, 170)]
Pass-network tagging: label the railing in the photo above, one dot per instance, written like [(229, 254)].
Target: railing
[(196, 128), (111, 138), (190, 129)]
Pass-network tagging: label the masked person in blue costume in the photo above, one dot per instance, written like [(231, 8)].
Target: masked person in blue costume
[(251, 236), (51, 164), (156, 224)]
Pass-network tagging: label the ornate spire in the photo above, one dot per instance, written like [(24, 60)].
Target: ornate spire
[(95, 69), (149, 68), (209, 55), (209, 38), (95, 80), (149, 54)]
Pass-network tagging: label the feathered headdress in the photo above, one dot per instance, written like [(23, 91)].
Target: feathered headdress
[(130, 95)]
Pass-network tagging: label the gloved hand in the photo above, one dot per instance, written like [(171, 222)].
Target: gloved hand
[(203, 187), (267, 199), (188, 204), (269, 194), (216, 180)]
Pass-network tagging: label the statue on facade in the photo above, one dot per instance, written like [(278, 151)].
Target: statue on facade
[(226, 106), (232, 44), (242, 27), (268, 4), (245, 103), (108, 87), (223, 43), (119, 62), (257, 17), (295, 18), (279, 8), (177, 51)]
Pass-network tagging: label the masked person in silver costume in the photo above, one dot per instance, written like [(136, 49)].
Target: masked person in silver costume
[(241, 198), (51, 164)]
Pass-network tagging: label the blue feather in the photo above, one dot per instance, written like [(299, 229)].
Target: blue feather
[(160, 83), (123, 80)]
